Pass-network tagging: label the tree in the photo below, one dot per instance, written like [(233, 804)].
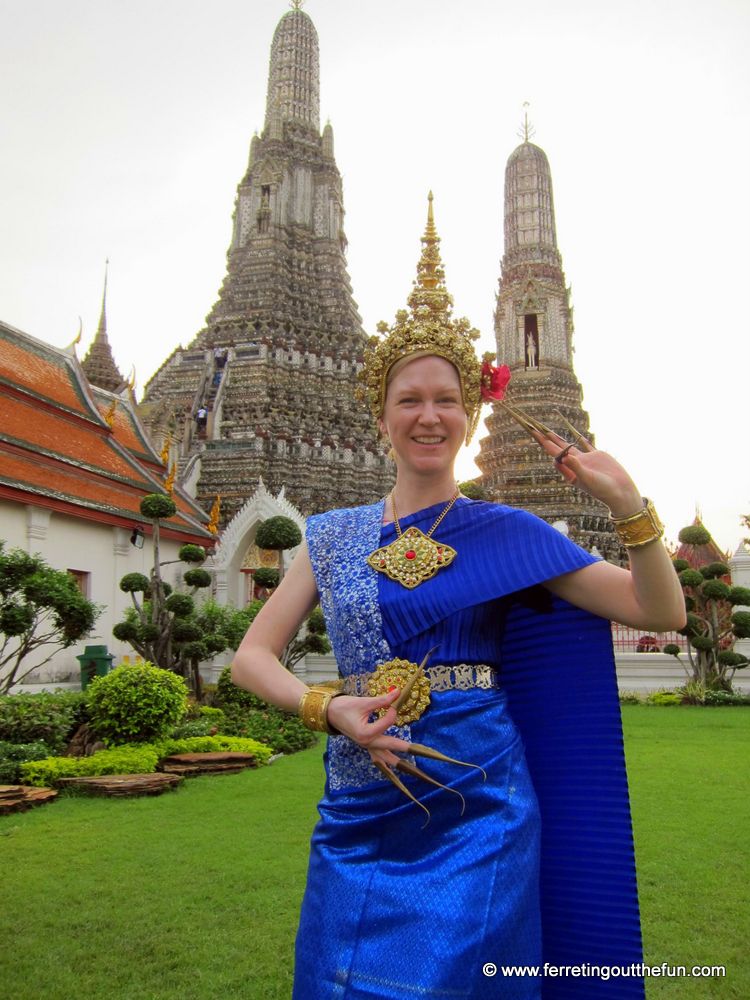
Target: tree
[(473, 490), (712, 625), (162, 626), (39, 606), (278, 533)]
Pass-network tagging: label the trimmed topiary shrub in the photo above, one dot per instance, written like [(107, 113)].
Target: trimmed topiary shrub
[(158, 505), (136, 703), (715, 590), (695, 534), (265, 577)]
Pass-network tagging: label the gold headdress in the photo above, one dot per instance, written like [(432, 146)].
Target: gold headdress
[(427, 327)]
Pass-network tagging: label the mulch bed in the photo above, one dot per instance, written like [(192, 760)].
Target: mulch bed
[(19, 798)]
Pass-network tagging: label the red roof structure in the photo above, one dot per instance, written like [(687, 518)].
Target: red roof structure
[(58, 451), (701, 555)]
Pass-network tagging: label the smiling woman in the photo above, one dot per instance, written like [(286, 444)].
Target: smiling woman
[(530, 859)]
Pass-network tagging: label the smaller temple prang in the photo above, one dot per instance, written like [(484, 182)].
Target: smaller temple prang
[(534, 335), (99, 363)]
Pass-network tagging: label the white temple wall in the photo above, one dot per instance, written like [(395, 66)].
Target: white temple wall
[(101, 551)]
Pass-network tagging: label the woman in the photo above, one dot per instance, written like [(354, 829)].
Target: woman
[(394, 909)]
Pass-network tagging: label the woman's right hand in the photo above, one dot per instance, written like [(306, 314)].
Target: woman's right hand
[(351, 717)]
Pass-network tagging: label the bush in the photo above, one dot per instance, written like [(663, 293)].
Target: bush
[(196, 727), (136, 703), (135, 583), (227, 693), (48, 717), (216, 744), (690, 578), (158, 505), (716, 699), (741, 624), (728, 658), (680, 565), (282, 732), (715, 590), (630, 698), (664, 698), (740, 595), (695, 534), (181, 605), (197, 578), (120, 760), (266, 577), (277, 533), (714, 570), (192, 553), (12, 755)]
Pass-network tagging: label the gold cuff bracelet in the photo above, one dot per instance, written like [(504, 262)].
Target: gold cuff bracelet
[(639, 529)]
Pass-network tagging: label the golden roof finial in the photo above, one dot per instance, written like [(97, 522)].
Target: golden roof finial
[(77, 339), (169, 481), (213, 522), (165, 448), (131, 380), (527, 130), (109, 416), (296, 4)]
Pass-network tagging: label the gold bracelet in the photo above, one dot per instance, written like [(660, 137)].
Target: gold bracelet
[(313, 709), (639, 529)]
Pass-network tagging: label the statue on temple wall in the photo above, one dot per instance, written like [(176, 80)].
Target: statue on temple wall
[(532, 350)]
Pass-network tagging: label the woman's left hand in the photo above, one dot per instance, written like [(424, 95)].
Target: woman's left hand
[(595, 472)]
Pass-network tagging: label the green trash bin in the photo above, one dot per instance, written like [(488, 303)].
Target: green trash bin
[(95, 661)]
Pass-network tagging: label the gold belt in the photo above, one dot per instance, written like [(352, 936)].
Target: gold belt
[(461, 677)]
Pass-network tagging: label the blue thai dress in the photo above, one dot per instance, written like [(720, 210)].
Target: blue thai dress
[(540, 866)]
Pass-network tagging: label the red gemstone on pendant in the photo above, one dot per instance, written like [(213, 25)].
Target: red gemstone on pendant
[(411, 554)]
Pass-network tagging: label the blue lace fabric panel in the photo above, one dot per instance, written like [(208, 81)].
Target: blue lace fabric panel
[(339, 542)]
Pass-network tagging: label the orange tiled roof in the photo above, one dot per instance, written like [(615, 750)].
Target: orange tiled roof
[(41, 370), (55, 446)]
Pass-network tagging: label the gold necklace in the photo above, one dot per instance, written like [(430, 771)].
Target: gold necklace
[(413, 557)]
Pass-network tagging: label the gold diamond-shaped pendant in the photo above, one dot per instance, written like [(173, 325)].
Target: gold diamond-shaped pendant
[(412, 558)]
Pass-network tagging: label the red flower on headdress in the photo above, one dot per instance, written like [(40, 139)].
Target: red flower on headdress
[(494, 381)]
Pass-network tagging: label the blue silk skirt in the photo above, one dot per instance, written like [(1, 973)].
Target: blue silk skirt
[(395, 908)]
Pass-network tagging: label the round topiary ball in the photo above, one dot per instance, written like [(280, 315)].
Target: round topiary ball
[(148, 632), (690, 578), (215, 642), (192, 553), (740, 595), (181, 605), (157, 506), (695, 534), (185, 631), (693, 626), (125, 631), (714, 570), (278, 533), (136, 702), (741, 624), (135, 583), (197, 578), (701, 642), (728, 658), (671, 649), (195, 650), (680, 565), (715, 590), (266, 577)]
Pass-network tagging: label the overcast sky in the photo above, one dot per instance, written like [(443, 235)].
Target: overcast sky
[(125, 129)]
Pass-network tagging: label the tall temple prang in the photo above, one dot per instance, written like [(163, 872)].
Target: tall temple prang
[(266, 389), (534, 334)]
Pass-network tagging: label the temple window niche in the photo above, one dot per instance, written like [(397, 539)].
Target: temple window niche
[(531, 342)]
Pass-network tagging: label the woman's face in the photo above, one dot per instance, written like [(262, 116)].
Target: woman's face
[(424, 414)]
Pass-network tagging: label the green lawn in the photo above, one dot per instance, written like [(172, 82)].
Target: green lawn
[(194, 895)]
